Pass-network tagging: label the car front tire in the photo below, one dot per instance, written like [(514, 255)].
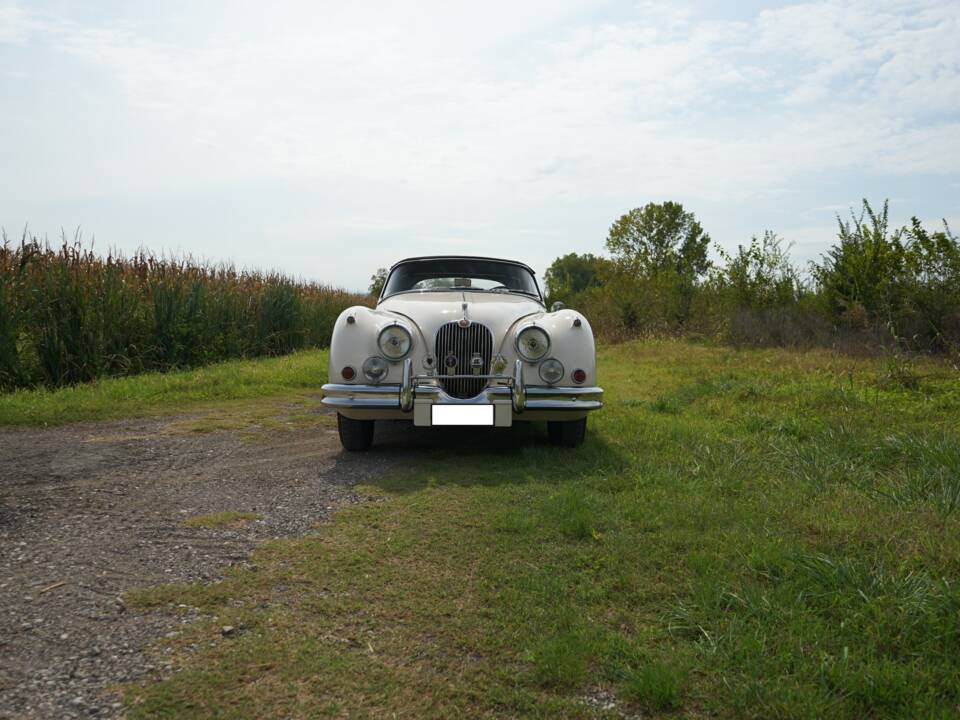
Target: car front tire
[(568, 434), (355, 435)]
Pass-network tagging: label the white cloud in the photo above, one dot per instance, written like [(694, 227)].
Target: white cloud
[(15, 25), (467, 113)]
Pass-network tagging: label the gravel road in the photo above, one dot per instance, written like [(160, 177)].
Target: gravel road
[(90, 511)]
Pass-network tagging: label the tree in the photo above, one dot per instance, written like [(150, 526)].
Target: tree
[(760, 275), (933, 262), (660, 253), (866, 272), (660, 237), (377, 281), (571, 274)]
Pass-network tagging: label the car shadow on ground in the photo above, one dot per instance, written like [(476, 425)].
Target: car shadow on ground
[(405, 458)]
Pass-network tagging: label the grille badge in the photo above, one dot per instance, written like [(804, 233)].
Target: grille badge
[(450, 361)]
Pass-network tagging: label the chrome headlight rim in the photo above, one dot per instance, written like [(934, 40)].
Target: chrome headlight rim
[(552, 363), (391, 328), (520, 334)]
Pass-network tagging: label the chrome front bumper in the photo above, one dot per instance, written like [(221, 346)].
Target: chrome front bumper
[(510, 396)]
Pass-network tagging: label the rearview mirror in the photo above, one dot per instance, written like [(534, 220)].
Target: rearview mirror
[(557, 306)]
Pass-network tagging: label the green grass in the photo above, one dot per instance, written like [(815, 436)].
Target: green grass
[(756, 534), (226, 518), (167, 393)]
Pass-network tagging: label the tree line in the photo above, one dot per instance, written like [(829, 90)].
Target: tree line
[(877, 285)]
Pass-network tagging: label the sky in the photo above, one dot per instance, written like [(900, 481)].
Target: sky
[(326, 139)]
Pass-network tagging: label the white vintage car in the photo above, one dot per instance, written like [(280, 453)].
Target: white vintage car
[(462, 341)]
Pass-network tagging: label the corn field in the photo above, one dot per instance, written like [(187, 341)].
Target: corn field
[(68, 315)]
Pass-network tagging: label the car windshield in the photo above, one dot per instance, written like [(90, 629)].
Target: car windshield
[(461, 274)]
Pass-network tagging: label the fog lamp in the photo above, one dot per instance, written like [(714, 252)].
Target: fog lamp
[(551, 371), (375, 368)]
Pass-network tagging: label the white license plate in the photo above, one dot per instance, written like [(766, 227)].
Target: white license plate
[(462, 414)]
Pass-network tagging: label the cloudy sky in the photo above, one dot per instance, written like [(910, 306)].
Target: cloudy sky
[(326, 139)]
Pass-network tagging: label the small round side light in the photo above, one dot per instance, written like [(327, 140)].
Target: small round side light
[(579, 376), (348, 373)]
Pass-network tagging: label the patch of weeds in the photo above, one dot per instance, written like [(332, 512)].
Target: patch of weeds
[(756, 423), (752, 391), (898, 374), (869, 623), (655, 686), (937, 489), (574, 512), (227, 518), (885, 687), (789, 427), (561, 660), (928, 474), (514, 521), (665, 405), (175, 594), (837, 455), (688, 394), (310, 419)]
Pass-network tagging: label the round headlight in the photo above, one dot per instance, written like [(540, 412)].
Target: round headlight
[(394, 341), (375, 368), (551, 371), (533, 343)]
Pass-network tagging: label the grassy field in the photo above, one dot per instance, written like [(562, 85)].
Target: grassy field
[(167, 393), (745, 534)]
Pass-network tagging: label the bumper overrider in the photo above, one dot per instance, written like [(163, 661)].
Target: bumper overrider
[(414, 397)]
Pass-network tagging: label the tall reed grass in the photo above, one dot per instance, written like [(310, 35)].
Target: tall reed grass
[(70, 315)]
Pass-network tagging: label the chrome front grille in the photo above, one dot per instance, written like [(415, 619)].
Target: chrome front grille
[(456, 348)]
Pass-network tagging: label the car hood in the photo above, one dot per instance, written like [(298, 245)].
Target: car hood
[(430, 310)]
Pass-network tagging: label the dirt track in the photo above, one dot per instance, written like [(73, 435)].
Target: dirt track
[(90, 511)]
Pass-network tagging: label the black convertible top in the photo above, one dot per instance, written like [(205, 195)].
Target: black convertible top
[(424, 258)]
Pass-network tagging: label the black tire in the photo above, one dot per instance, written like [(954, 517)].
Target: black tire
[(355, 435), (568, 434)]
